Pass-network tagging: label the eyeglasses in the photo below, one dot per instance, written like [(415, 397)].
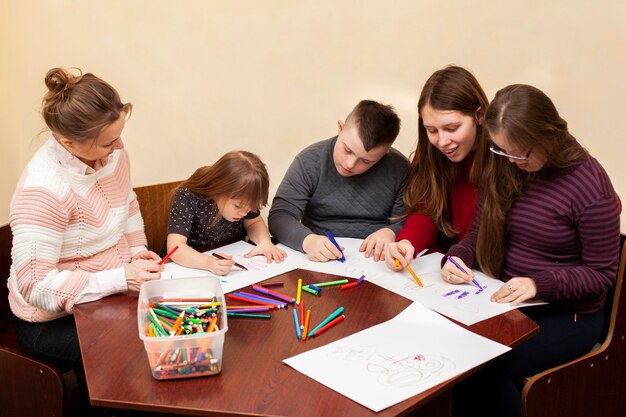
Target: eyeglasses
[(500, 152)]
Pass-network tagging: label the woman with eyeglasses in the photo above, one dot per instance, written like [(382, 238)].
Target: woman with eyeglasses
[(440, 193), (547, 226)]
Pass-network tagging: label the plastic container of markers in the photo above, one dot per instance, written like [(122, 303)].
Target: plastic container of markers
[(190, 355)]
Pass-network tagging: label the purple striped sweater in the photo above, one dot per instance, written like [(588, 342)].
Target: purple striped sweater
[(563, 231)]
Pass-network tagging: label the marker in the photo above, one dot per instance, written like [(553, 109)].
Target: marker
[(360, 280), (328, 283), (329, 325), (272, 284), (297, 322), (306, 324), (162, 261), (302, 314), (273, 293), (299, 291), (249, 315), (310, 290), (327, 320), (334, 242), (451, 259), (408, 268), (218, 256), (348, 286)]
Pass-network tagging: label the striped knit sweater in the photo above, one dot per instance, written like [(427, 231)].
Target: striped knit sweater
[(68, 229), (563, 231)]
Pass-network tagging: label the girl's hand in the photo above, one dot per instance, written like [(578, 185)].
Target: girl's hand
[(220, 266), (516, 291), (403, 251), (269, 250), (451, 273)]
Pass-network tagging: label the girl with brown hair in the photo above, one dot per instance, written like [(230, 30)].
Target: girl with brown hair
[(440, 193), (219, 204), (548, 226)]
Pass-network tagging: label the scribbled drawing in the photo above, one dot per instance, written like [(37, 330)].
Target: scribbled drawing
[(428, 280), (251, 263), (410, 370), (353, 353)]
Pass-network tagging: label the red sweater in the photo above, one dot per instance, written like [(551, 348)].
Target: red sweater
[(421, 231)]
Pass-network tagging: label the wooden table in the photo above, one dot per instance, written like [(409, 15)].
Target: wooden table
[(254, 381)]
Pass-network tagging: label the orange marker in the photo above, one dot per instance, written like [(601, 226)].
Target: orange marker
[(329, 325), (306, 324)]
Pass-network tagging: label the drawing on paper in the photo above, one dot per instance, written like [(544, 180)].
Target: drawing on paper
[(391, 371)]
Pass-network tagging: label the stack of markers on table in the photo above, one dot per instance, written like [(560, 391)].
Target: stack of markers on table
[(178, 316), (172, 317)]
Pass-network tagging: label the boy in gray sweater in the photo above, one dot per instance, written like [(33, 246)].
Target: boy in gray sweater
[(350, 184)]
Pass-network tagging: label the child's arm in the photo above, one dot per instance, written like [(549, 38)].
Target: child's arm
[(191, 258), (259, 234)]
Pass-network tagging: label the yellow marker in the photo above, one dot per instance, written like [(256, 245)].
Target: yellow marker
[(397, 263), (299, 293), (408, 267)]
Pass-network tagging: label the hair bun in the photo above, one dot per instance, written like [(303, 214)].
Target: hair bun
[(59, 81)]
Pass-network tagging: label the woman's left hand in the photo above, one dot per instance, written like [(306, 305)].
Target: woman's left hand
[(516, 291), (269, 250), (148, 255)]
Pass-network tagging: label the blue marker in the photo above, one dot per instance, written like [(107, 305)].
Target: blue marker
[(334, 242), (297, 322)]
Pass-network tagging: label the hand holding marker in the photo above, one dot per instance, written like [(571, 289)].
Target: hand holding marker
[(451, 259)]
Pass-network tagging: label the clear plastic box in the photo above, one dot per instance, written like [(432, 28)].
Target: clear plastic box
[(183, 356)]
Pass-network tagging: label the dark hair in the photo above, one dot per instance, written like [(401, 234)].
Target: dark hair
[(431, 174), (377, 124), (528, 119), (237, 174), (79, 106)]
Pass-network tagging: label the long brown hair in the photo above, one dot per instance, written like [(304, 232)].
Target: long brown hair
[(78, 106), (238, 174), (431, 174), (528, 119)]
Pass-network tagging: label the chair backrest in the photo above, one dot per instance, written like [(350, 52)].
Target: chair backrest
[(594, 384), (6, 242), (154, 203)]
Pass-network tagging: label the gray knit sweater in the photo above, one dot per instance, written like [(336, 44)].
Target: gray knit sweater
[(313, 197)]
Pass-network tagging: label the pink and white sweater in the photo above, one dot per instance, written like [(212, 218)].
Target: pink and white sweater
[(73, 230)]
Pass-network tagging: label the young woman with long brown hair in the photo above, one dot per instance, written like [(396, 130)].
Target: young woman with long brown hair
[(548, 226), (440, 193)]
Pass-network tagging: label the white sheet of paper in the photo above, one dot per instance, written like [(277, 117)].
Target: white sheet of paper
[(258, 268), (468, 309), (395, 360)]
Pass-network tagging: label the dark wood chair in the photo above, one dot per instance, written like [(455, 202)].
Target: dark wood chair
[(154, 203), (29, 387), (594, 384)]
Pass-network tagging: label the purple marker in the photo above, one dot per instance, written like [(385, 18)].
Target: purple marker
[(451, 259), (360, 280)]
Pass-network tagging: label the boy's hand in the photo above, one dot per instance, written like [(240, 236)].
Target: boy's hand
[(320, 248), (375, 243)]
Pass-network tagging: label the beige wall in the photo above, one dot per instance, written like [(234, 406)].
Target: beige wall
[(206, 77)]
